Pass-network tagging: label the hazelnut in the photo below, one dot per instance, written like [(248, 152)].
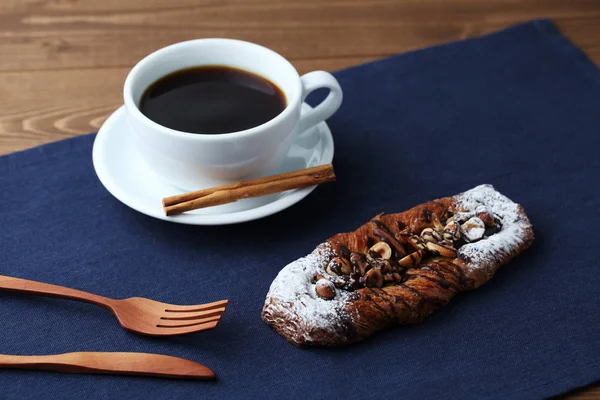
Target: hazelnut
[(446, 243), (441, 250), (383, 249), (411, 260), (416, 242), (485, 215), (430, 235), (452, 231), (373, 278), (346, 267), (333, 269), (339, 266), (383, 265), (325, 289), (359, 262), (473, 229), (385, 236)]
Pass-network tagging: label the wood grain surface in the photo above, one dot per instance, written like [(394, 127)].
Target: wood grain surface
[(63, 62)]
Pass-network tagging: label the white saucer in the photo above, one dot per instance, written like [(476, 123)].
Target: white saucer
[(126, 176)]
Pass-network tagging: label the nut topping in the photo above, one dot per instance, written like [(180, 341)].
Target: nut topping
[(373, 278), (441, 250), (333, 268), (446, 243), (359, 262), (383, 265), (411, 260), (485, 215), (386, 236), (325, 289), (473, 229), (430, 235), (346, 267), (383, 249), (452, 231), (416, 242), (339, 266)]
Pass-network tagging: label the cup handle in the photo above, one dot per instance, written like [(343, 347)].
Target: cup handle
[(316, 80)]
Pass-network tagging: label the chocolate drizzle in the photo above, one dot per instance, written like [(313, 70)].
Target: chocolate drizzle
[(420, 295), (458, 272), (400, 299), (442, 282), (377, 306), (374, 254), (427, 215), (371, 241), (345, 251)]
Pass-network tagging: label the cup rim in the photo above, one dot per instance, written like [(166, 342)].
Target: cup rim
[(132, 107)]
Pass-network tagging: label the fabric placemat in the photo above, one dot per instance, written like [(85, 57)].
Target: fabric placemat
[(519, 109)]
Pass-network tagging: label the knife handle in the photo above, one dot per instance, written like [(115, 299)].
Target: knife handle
[(143, 364)]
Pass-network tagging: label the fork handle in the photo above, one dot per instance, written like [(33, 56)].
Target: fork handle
[(11, 284)]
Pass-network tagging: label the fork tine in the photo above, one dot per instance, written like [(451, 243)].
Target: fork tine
[(194, 315), (197, 307), (185, 323), (185, 330)]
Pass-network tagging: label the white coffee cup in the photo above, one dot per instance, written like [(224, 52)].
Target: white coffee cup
[(192, 161)]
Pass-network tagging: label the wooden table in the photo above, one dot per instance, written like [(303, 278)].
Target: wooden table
[(63, 62)]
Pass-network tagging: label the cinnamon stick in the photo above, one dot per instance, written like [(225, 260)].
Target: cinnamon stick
[(251, 188), (180, 198)]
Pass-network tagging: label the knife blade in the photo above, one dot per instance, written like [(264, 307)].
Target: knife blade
[(145, 364)]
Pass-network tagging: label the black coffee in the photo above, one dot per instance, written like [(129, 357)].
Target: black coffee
[(212, 100)]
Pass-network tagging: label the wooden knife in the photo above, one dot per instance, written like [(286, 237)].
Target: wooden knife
[(112, 363)]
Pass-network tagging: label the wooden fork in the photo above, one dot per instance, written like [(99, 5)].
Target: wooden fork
[(136, 314)]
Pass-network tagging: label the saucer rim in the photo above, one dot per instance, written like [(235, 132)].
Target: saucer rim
[(283, 202)]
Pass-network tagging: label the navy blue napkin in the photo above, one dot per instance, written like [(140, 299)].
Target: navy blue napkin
[(518, 109)]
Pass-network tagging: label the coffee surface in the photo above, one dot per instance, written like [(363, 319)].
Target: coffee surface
[(212, 100)]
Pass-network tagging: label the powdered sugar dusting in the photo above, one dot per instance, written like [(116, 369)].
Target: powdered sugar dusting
[(292, 302), (511, 235)]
